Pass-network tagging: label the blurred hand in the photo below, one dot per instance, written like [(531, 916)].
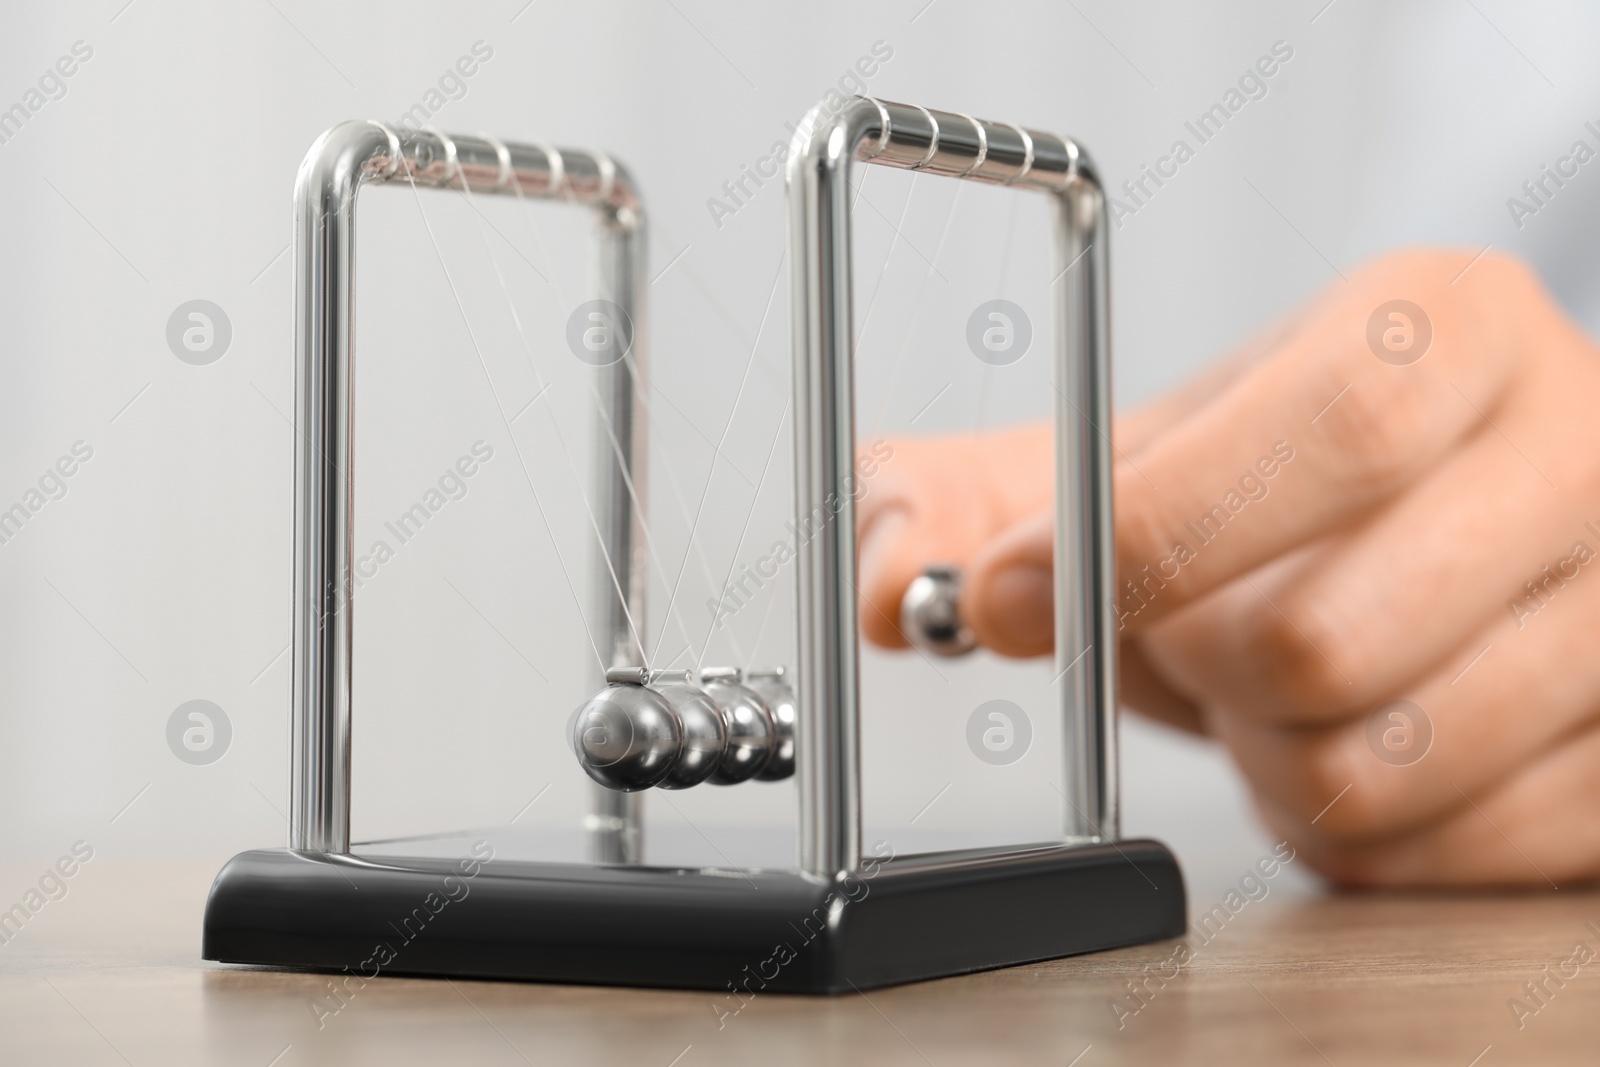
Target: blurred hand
[(1347, 514)]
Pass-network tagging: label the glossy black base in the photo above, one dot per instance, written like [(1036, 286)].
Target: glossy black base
[(720, 930)]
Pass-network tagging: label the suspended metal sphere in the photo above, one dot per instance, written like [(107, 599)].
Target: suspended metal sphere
[(626, 737), (772, 684), (930, 613), (752, 734), (704, 737)]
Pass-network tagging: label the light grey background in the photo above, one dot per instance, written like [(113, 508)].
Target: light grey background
[(164, 175)]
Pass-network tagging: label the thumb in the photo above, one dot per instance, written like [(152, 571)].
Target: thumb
[(1008, 596), (895, 545), (942, 500)]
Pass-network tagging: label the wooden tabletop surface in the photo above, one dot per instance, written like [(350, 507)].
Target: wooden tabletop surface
[(111, 974)]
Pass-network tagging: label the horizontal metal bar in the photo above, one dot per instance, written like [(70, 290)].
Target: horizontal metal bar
[(960, 146), (482, 164)]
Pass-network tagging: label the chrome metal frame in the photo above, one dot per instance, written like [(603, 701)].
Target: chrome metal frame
[(340, 162), (827, 143), (937, 914)]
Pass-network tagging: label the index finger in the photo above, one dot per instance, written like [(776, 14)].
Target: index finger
[(1320, 432)]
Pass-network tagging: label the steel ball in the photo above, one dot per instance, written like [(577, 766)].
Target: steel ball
[(627, 737), (930, 613), (704, 735), (772, 684), (752, 734)]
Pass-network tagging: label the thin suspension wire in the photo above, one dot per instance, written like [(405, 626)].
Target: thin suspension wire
[(999, 292), (733, 561), (494, 394), (627, 479), (700, 555), (658, 460), (922, 290), (566, 454), (905, 209), (674, 610), (717, 452), (766, 613), (772, 598), (533, 234)]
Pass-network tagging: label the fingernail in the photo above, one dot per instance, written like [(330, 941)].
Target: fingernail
[(1018, 609)]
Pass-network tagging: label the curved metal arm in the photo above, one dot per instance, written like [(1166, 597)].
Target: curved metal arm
[(339, 163), (828, 682)]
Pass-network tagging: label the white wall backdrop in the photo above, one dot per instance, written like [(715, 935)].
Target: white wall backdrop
[(160, 172)]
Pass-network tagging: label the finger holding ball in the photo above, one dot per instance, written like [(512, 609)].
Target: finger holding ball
[(930, 613)]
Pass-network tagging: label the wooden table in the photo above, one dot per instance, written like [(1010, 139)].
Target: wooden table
[(111, 974)]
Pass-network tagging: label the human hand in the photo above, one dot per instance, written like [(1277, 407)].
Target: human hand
[(1327, 531)]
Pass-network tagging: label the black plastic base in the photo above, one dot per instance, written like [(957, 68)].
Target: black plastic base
[(705, 929)]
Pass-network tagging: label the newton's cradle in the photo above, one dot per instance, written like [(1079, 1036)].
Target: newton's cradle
[(317, 906)]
